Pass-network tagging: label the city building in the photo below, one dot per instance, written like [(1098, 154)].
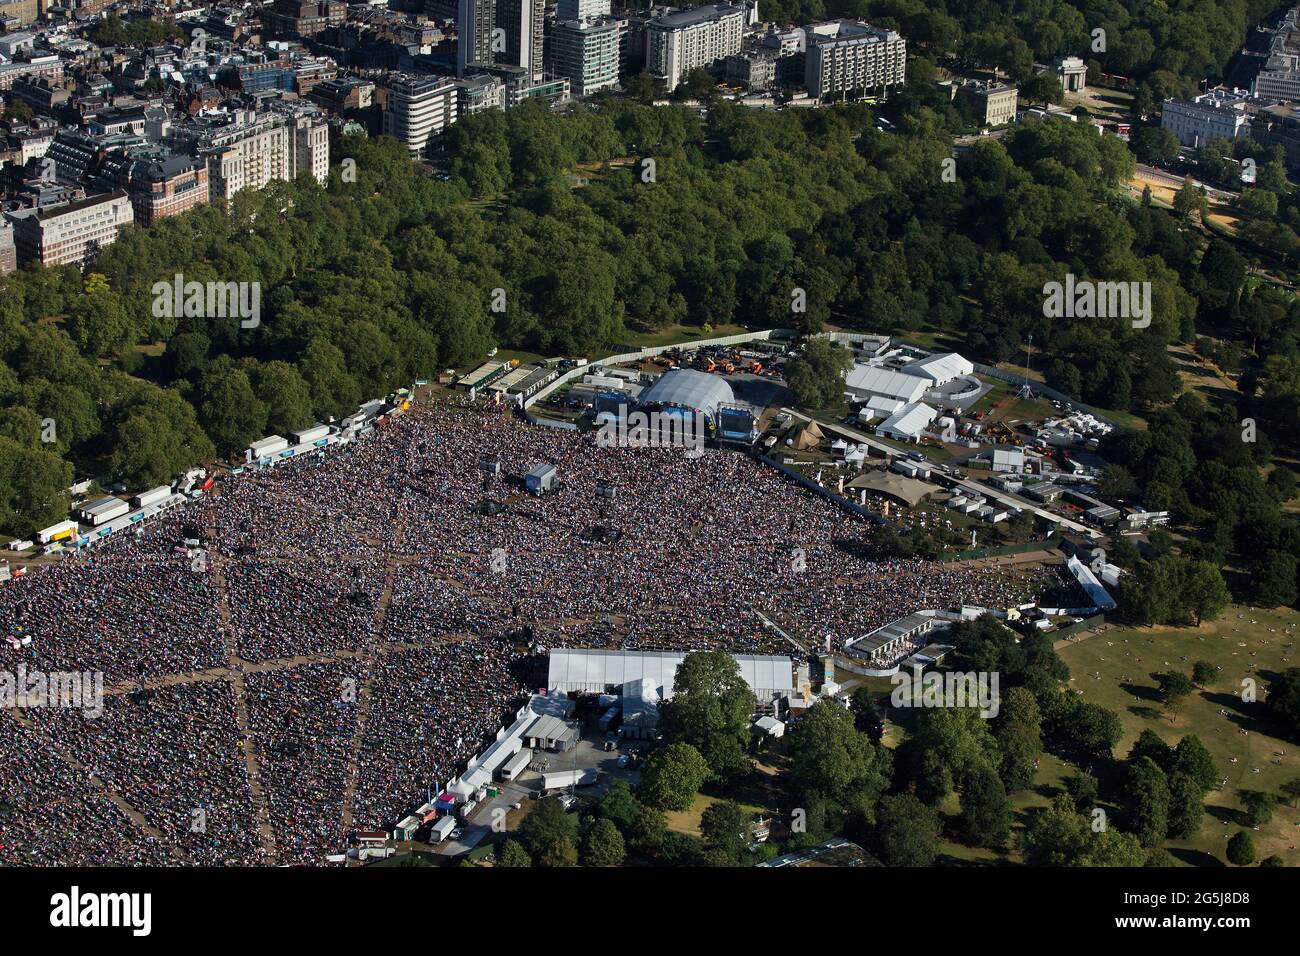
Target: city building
[(1279, 126), (586, 53), (1211, 115), (303, 18), (8, 254), (158, 183), (677, 43), (755, 70), (522, 22), (70, 234), (343, 94), (477, 93), (845, 57), (23, 11), (475, 25), (39, 64), (40, 94), (246, 149), (581, 9), (419, 109), (994, 102), (1278, 82)]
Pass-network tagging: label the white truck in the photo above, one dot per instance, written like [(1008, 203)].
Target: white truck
[(442, 829), (563, 779)]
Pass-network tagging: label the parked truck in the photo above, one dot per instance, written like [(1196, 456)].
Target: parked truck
[(442, 829), (563, 779)]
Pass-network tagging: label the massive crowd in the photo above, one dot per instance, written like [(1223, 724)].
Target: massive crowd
[(371, 612)]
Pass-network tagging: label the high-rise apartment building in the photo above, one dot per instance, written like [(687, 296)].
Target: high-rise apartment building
[(849, 56), (247, 149), (680, 42), (522, 23), (581, 9), (585, 52), (475, 26), (419, 109)]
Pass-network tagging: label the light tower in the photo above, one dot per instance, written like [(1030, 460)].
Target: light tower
[(606, 495), (490, 467), (1025, 390)]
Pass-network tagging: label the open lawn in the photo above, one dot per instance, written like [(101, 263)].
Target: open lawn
[(677, 335), (1113, 669), (688, 821)]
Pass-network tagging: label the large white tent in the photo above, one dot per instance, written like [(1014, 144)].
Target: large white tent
[(597, 671)]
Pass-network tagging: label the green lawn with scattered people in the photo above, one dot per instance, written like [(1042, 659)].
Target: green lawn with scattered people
[(1114, 669)]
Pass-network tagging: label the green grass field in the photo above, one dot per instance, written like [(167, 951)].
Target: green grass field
[(1106, 667), (1113, 669), (678, 335)]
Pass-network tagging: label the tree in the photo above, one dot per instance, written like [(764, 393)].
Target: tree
[(1019, 735), (547, 824), (1057, 836), (559, 852), (1258, 806), (1155, 144), (1192, 758), (1204, 673), (1206, 591), (1191, 199), (817, 376), (710, 711), (1291, 790), (1241, 849), (831, 757), (603, 845), (724, 827), (229, 410), (672, 777), (985, 810), (286, 395), (1283, 701), (1145, 796), (511, 854), (1042, 88), (1186, 807), (866, 714), (647, 832), (906, 832), (33, 487), (1082, 790), (619, 806), (1174, 688), (640, 87)]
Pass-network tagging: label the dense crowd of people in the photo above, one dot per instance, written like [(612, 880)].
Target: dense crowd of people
[(373, 610)]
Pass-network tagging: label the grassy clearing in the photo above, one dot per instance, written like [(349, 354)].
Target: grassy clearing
[(679, 335), (1113, 669)]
